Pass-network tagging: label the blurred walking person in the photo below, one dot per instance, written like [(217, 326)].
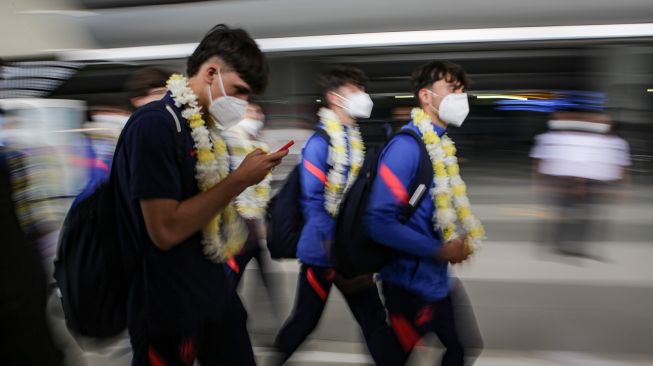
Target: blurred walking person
[(442, 231), (327, 168), (25, 336), (577, 164)]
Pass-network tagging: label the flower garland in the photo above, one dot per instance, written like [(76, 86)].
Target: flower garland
[(450, 193), (252, 202), (226, 233), (337, 185)]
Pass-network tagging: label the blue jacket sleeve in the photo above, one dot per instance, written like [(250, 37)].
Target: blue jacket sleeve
[(397, 169), (313, 177)]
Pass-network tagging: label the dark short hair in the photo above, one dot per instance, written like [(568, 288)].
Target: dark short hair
[(238, 50), (340, 75), (112, 101), (141, 81), (433, 71)]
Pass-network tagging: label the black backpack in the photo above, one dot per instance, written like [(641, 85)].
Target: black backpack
[(355, 253), (93, 268), (284, 214)]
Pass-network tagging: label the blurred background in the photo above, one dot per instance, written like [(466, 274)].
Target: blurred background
[(556, 151)]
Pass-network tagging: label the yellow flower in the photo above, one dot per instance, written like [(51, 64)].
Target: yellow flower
[(430, 137), (205, 155), (357, 145), (468, 247), (212, 226), (464, 212), (442, 201), (449, 232), (459, 190), (220, 147), (453, 170), (332, 187), (420, 116), (439, 169), (240, 150), (340, 149), (477, 232), (332, 126), (174, 77), (195, 122), (449, 149), (248, 210)]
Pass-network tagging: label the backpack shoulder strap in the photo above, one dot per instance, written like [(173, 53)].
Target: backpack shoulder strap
[(322, 133), (154, 106), (180, 140), (422, 182)]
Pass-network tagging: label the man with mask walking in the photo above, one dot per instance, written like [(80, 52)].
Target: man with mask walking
[(241, 140), (328, 168), (416, 284), (174, 199)]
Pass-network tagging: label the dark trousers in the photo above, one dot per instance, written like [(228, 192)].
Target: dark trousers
[(313, 290), (412, 317), (214, 343), (237, 264), (235, 267)]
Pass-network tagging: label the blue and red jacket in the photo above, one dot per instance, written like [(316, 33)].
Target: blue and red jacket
[(415, 267), (318, 233)]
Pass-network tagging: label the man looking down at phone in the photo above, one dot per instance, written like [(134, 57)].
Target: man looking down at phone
[(175, 203)]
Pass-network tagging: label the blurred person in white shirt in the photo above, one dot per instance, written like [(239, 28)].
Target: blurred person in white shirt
[(577, 162)]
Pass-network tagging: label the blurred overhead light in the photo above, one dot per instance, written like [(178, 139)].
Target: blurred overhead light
[(162, 52), (403, 96), (500, 96), (649, 90), (70, 13), (383, 39)]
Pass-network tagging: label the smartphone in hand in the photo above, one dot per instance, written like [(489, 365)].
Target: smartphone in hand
[(286, 146)]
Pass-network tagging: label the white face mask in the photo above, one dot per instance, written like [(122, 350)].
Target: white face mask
[(358, 105), (251, 126), (454, 108), (226, 110)]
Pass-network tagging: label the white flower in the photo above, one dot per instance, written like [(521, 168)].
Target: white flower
[(217, 245), (443, 218), (341, 162), (461, 201)]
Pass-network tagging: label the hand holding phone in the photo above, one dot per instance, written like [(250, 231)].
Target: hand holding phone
[(287, 146)]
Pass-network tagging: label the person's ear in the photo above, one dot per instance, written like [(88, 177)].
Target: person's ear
[(332, 98), (209, 72), (424, 96)]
